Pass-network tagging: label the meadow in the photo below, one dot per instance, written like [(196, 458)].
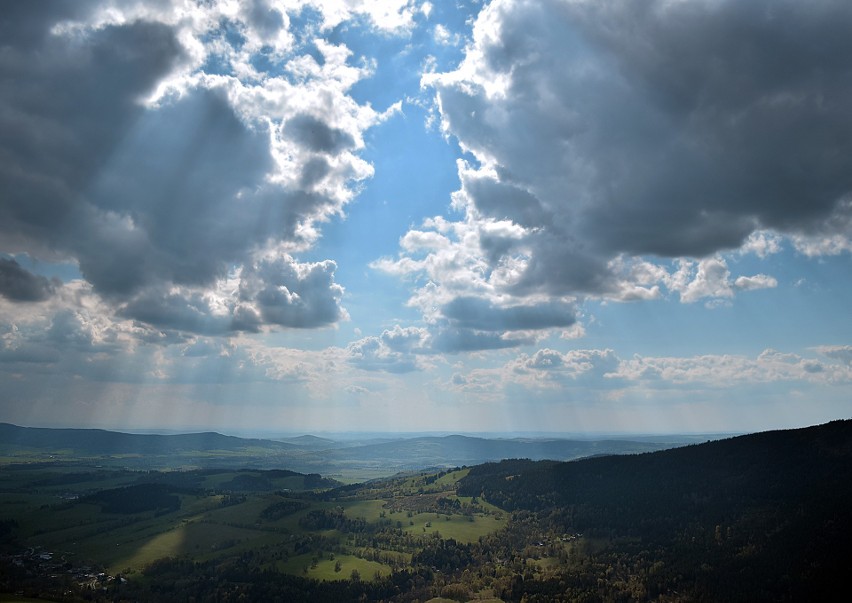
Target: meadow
[(216, 515)]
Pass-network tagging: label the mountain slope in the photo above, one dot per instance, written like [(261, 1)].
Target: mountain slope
[(752, 518)]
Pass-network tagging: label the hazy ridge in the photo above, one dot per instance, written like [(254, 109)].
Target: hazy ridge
[(309, 454)]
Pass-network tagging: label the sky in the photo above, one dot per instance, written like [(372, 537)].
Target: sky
[(318, 216)]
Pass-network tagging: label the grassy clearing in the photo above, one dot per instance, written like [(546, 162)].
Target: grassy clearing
[(451, 479), (205, 530), (198, 540), (458, 527), (324, 568), (369, 510)]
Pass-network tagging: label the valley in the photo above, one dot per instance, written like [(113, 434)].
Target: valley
[(756, 517)]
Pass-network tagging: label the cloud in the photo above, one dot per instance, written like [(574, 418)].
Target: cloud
[(393, 352), (758, 281), (274, 289), (711, 278), (142, 144), (464, 300), (601, 374), (475, 313), (292, 294), (370, 354), (726, 370), (388, 16), (454, 340), (837, 352), (316, 135), (18, 284), (762, 243), (550, 368), (612, 131)]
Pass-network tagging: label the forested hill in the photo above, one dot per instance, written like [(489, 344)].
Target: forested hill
[(756, 517), (773, 466), (466, 450), (99, 441)]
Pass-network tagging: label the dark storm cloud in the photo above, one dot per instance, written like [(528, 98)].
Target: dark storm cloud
[(18, 284), (653, 127)]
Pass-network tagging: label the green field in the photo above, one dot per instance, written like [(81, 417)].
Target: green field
[(215, 516)]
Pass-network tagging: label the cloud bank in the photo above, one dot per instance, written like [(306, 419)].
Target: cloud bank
[(617, 150), (143, 145)]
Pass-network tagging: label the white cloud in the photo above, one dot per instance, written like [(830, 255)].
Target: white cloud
[(762, 243), (445, 37), (730, 370), (758, 281), (603, 375), (711, 278), (388, 15)]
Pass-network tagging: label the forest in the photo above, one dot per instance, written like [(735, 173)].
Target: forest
[(762, 517)]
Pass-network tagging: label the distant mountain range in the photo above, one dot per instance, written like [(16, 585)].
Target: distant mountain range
[(103, 442), (460, 450), (307, 453)]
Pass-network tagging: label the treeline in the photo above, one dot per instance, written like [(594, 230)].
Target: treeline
[(136, 499), (278, 510), (174, 579)]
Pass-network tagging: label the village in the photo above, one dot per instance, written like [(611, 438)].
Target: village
[(37, 571)]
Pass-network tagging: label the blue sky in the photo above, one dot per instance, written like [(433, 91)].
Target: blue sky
[(410, 216)]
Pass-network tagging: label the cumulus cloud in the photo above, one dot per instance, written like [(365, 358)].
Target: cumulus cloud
[(389, 15), (371, 354), (464, 299), (711, 278), (395, 351), (271, 290), (725, 370), (601, 372), (758, 281), (143, 144), (546, 367), (618, 135)]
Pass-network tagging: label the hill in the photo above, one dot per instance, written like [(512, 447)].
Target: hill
[(99, 441), (352, 460), (763, 517), (457, 450), (757, 517)]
